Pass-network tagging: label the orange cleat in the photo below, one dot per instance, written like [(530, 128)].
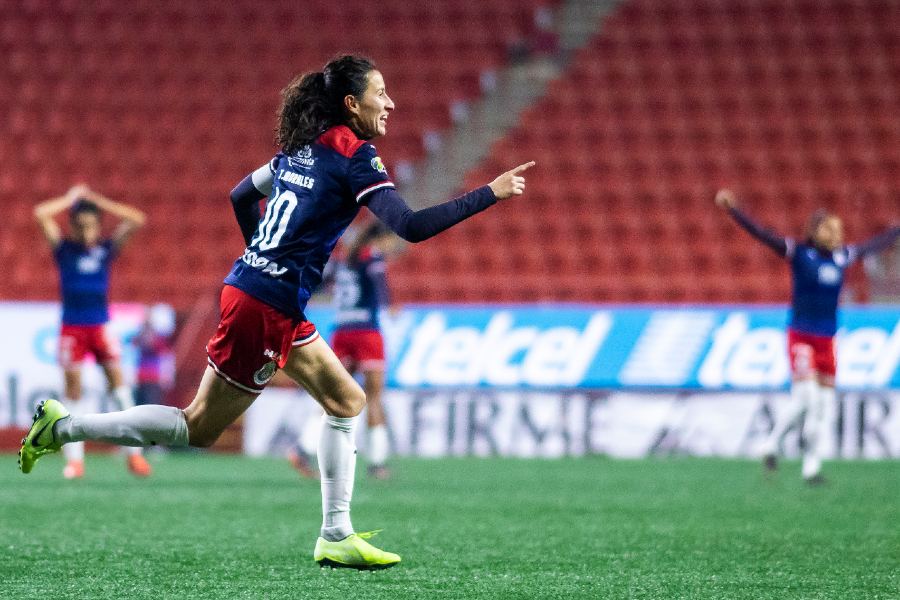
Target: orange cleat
[(139, 466), (302, 464), (74, 469)]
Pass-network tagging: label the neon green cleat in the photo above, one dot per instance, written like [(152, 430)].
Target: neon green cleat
[(40, 439), (353, 552)]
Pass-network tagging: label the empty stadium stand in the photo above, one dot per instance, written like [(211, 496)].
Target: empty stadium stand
[(167, 104), (792, 103)]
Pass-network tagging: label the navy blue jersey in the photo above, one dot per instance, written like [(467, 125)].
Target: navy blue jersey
[(360, 290), (84, 281), (817, 277), (315, 194)]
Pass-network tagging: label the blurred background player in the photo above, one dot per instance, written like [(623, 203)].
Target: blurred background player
[(155, 358), (326, 171), (360, 292), (84, 261), (817, 269)]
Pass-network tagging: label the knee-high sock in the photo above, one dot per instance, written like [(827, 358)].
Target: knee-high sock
[(378, 445), (124, 397), (148, 425), (74, 451), (814, 430), (802, 395), (337, 469)]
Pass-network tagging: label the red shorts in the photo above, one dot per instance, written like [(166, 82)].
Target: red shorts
[(253, 340), (359, 349), (811, 354), (77, 341)]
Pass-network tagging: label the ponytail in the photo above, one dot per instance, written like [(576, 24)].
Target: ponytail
[(313, 103)]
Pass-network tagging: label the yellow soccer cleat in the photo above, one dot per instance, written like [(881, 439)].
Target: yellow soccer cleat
[(40, 439), (353, 552)]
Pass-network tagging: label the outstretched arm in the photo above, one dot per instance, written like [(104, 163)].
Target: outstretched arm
[(130, 218), (419, 225), (46, 211), (727, 201), (876, 244), (245, 199)]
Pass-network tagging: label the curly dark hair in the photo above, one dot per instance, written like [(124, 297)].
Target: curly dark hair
[(314, 102)]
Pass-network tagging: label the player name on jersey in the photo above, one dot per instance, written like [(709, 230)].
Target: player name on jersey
[(304, 181)]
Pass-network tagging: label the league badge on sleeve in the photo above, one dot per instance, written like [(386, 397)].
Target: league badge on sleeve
[(378, 165)]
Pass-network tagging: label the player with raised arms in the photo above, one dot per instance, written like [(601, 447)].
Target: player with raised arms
[(326, 171), (84, 260), (817, 268)]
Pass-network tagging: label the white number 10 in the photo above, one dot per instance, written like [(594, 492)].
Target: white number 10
[(278, 211)]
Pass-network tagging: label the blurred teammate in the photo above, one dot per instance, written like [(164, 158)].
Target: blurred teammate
[(817, 267), (84, 260), (325, 173), (360, 292), (156, 360)]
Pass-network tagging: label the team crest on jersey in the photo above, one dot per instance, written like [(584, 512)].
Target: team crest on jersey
[(378, 165), (265, 373), (303, 158), (829, 275)]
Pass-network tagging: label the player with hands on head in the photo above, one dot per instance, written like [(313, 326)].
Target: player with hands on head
[(818, 263), (326, 171), (84, 259)]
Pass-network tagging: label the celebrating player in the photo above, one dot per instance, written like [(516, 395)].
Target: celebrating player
[(84, 260), (325, 172), (817, 266)]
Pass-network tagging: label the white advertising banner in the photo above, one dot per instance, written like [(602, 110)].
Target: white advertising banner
[(434, 423), (29, 371)]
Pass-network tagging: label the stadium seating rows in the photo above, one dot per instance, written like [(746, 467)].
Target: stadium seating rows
[(166, 104), (792, 103)]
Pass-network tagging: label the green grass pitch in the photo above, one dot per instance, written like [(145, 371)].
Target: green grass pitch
[(211, 526)]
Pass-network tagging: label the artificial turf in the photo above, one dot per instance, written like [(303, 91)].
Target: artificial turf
[(213, 526)]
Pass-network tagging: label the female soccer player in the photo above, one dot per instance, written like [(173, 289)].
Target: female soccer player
[(817, 266), (326, 171), (84, 261)]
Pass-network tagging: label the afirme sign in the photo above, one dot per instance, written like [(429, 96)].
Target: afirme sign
[(523, 423)]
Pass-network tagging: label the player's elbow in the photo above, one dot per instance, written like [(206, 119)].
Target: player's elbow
[(138, 219)]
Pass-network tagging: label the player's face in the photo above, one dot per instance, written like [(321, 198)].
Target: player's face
[(369, 115), (830, 234), (86, 228)]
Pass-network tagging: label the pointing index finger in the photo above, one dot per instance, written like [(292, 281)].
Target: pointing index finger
[(523, 168)]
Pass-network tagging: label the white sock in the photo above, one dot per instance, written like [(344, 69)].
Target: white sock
[(814, 430), (337, 469), (124, 397), (802, 394), (74, 451), (148, 425), (378, 445)]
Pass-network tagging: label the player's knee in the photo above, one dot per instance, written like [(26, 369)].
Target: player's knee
[(350, 405)]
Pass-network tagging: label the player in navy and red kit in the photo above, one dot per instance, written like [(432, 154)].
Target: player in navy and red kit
[(360, 292), (84, 261), (326, 172), (817, 268)]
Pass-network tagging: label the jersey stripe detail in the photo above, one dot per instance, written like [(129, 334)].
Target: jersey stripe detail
[(373, 187)]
